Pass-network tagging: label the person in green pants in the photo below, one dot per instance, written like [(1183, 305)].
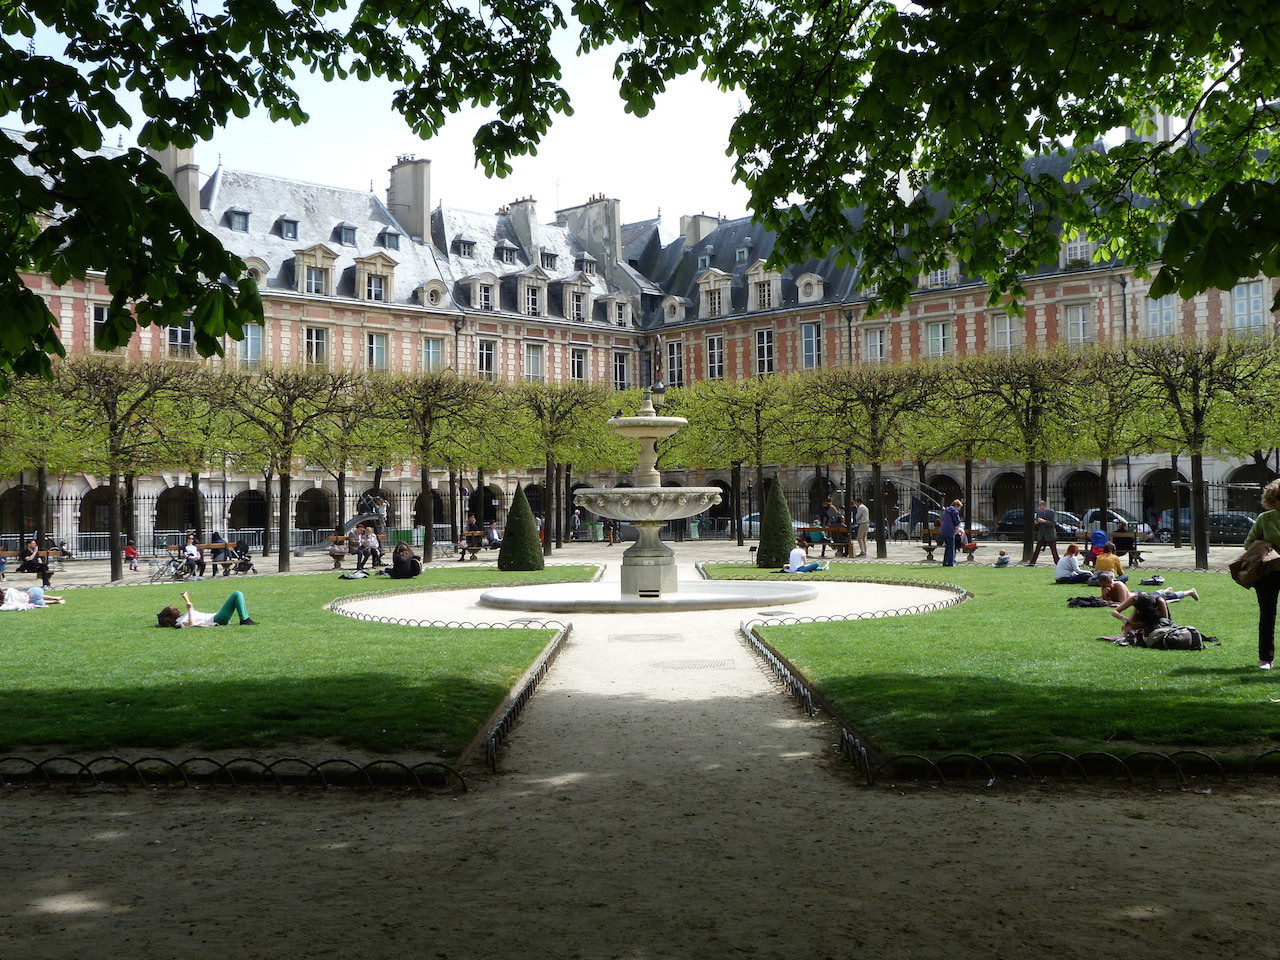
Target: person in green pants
[(173, 617)]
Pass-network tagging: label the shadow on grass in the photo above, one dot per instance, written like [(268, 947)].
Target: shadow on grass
[(905, 712), (376, 712)]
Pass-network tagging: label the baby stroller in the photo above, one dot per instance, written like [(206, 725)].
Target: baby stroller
[(240, 554)]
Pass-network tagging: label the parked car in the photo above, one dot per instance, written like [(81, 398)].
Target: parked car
[(1093, 520), (1010, 526), (902, 527), (751, 525), (1224, 526)]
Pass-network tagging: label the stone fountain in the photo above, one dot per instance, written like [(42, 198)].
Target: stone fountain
[(648, 565), (649, 580)]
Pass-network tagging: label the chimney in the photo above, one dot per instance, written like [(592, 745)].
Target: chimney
[(694, 228), (598, 225), (409, 195), (179, 165), (524, 220)]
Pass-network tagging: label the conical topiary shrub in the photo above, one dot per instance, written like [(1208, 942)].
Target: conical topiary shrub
[(521, 549), (777, 535)]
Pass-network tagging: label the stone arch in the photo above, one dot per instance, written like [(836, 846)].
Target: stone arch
[(314, 510), (1242, 498), (248, 512), (488, 503), (820, 488), (178, 510), (1006, 493), (536, 496), (1082, 491), (721, 514), (420, 509), (948, 487), (18, 511), (95, 510), (368, 496), (1160, 494)]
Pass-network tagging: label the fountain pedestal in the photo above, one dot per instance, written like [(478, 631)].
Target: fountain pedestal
[(648, 565)]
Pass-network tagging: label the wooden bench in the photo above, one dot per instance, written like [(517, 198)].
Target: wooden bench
[(835, 537), (176, 551), (969, 550), (928, 549), (337, 558), (472, 542), (7, 555)]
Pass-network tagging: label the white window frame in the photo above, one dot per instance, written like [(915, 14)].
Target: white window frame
[(249, 349), (487, 359), (317, 280), (940, 277), (1162, 316), (315, 346), (1079, 247), (578, 364), (506, 255), (811, 345), (621, 371), (98, 314), (740, 255), (715, 302), (764, 294), (288, 229), (1000, 338), (875, 345), (432, 354), (620, 314), (675, 363), (533, 300), (1248, 309), (375, 287), (938, 339), (375, 351), (1081, 330), (486, 296), (347, 236), (239, 221), (181, 340), (535, 362), (715, 357), (547, 261), (764, 352), (577, 305)]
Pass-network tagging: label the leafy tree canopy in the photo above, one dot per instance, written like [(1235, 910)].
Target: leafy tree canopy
[(867, 105)]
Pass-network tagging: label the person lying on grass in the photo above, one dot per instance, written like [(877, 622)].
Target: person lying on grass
[(173, 617), (33, 598), (1115, 593)]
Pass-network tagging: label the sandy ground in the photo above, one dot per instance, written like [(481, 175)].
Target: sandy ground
[(659, 799)]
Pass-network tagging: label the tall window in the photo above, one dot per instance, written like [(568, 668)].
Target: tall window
[(675, 363), (317, 280), (940, 278), (620, 314), (316, 344), (506, 254), (714, 302), (250, 348), (1080, 325), (548, 261), (533, 301), (375, 351), (621, 381), (764, 295), (939, 338), (486, 359), (1001, 335), (182, 340), (1160, 316), (875, 348), (486, 296), (764, 352), (535, 362), (811, 345), (1079, 249), (715, 358), (577, 305), (1247, 312), (375, 287), (577, 364), (432, 354), (99, 322)]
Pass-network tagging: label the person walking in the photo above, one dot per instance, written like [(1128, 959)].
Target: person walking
[(951, 529), (1267, 587), (862, 521), (1046, 532)]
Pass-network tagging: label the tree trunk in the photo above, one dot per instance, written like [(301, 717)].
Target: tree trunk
[(567, 487), (43, 518), (195, 505), (454, 517), (482, 495), (847, 506), (735, 494), (559, 501), (377, 481), (266, 523), (1177, 505), (1199, 529), (968, 489), (342, 504), (128, 521), (1105, 471), (548, 502), (1044, 480), (115, 525), (284, 524), (877, 512), (1028, 508), (429, 511)]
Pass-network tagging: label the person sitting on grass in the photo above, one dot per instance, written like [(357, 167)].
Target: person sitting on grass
[(796, 561), (1149, 613), (33, 598), (1002, 560), (1068, 569), (173, 617), (1115, 593), (404, 565), (1108, 560)]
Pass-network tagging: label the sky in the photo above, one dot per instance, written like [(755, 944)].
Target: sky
[(672, 161)]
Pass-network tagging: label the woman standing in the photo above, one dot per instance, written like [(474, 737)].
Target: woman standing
[(1267, 587)]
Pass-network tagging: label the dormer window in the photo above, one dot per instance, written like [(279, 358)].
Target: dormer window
[(238, 220), (505, 252), (375, 277), (704, 261), (465, 246), (391, 239), (586, 264), (740, 255), (288, 228), (347, 234), (548, 261)]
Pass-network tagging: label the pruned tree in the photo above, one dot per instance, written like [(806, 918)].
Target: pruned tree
[(1195, 384), (285, 409)]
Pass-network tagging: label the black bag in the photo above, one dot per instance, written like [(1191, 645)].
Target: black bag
[(1086, 602)]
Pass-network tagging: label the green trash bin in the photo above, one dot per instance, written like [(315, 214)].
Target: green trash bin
[(395, 536), (693, 528), (595, 531)]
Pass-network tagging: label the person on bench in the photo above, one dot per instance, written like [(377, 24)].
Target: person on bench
[(491, 535), (218, 555), (367, 548), (472, 538), (194, 556), (32, 562)]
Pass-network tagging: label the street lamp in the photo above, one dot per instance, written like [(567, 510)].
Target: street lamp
[(848, 334), (458, 324), (1124, 307), (659, 394)]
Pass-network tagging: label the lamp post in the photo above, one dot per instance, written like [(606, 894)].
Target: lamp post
[(458, 324), (751, 511), (1124, 307), (848, 333)]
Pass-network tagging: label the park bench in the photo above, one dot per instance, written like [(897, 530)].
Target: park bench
[(205, 548), (835, 537), (50, 556), (472, 542), (337, 557)]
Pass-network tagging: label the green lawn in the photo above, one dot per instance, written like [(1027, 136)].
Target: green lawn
[(97, 674), (1015, 669)]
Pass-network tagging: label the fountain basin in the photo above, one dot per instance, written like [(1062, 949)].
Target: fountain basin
[(604, 597), (646, 428), (638, 504)]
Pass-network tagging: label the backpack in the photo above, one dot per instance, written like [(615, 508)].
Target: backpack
[(1175, 638), (1086, 602)]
